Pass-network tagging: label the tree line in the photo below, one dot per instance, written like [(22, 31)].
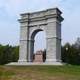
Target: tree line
[(70, 53), (8, 54)]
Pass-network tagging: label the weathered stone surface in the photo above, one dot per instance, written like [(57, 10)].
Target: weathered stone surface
[(31, 23)]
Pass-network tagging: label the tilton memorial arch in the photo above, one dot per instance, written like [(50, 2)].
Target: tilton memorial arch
[(30, 24)]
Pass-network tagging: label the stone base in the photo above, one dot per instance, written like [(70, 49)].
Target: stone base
[(34, 63), (53, 60)]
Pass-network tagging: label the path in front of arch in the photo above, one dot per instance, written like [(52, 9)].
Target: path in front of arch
[(34, 63)]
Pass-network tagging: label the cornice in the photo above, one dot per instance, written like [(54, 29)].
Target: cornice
[(41, 15)]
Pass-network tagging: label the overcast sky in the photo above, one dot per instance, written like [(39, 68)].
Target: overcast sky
[(10, 10)]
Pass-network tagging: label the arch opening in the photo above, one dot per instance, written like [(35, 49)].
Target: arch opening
[(39, 45)]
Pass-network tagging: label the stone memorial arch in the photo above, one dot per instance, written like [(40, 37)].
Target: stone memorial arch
[(30, 24)]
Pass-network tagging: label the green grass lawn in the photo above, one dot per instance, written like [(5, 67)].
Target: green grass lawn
[(66, 72)]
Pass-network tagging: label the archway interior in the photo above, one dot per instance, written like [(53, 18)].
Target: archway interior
[(39, 38)]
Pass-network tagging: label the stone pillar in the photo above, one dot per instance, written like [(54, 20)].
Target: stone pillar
[(24, 36), (23, 45), (30, 50), (53, 53)]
